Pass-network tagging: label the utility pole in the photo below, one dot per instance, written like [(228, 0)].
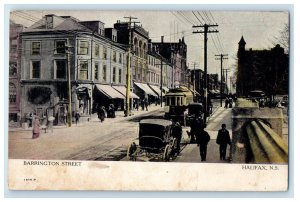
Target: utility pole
[(226, 70), (194, 79), (221, 57), (205, 31), (161, 75), (69, 86), (127, 110)]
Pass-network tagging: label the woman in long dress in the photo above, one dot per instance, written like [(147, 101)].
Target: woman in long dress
[(36, 128)]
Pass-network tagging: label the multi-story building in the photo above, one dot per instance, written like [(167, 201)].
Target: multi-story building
[(265, 70), (139, 59), (157, 66), (14, 73), (55, 44), (176, 54)]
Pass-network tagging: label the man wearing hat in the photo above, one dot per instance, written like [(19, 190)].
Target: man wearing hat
[(223, 139)]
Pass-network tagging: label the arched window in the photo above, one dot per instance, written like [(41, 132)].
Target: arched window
[(12, 93), (140, 49), (145, 51), (136, 48)]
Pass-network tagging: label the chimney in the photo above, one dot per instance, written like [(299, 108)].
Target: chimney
[(162, 39)]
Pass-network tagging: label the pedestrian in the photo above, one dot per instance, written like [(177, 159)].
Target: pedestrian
[(36, 128), (202, 139), (101, 113), (65, 115), (143, 104), (111, 111), (176, 132), (196, 127), (223, 139), (137, 105), (146, 104), (77, 117), (226, 102)]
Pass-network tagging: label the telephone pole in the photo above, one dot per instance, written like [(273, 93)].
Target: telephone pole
[(205, 32), (194, 79), (221, 57), (161, 75), (127, 110), (68, 52)]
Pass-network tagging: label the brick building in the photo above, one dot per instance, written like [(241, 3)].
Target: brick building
[(265, 70)]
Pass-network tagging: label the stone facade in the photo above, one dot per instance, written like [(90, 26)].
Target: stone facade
[(52, 44), (14, 73)]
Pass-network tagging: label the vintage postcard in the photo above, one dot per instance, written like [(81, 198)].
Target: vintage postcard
[(133, 100)]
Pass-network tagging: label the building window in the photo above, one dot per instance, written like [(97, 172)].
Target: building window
[(12, 69), (83, 73), (120, 58), (60, 69), (60, 47), (35, 48), (83, 47), (120, 75), (96, 50), (36, 69), (114, 56), (12, 93), (96, 71), (104, 73), (13, 48), (104, 53), (114, 75)]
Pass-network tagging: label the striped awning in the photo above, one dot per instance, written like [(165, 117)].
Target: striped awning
[(157, 90), (145, 88), (122, 90), (109, 91)]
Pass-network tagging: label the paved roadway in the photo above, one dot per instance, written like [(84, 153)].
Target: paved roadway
[(88, 141)]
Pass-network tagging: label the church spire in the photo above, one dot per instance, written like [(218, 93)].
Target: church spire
[(242, 44)]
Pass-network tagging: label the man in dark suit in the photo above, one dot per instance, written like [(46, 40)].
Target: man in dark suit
[(223, 139), (202, 139)]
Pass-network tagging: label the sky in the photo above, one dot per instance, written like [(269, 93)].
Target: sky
[(259, 29)]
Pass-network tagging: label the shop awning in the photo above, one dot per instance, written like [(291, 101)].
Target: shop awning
[(145, 88), (122, 90), (157, 90), (109, 91), (84, 88)]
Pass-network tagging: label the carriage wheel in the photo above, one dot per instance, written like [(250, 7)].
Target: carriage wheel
[(174, 143), (132, 152), (166, 155)]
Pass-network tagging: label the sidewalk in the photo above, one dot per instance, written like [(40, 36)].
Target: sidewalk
[(94, 119), (191, 152)]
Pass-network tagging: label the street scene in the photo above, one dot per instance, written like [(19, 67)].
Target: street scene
[(196, 87)]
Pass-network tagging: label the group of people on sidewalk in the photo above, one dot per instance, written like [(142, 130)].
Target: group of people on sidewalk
[(201, 137), (198, 135)]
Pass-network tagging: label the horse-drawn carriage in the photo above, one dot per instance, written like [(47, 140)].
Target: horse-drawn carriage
[(155, 141)]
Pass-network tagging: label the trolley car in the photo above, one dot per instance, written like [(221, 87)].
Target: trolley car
[(177, 101)]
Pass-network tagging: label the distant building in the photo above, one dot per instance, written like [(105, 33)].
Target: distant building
[(139, 47), (175, 53), (14, 73), (96, 62), (155, 62), (265, 70), (197, 77)]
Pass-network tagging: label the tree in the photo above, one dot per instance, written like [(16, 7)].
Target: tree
[(284, 38)]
